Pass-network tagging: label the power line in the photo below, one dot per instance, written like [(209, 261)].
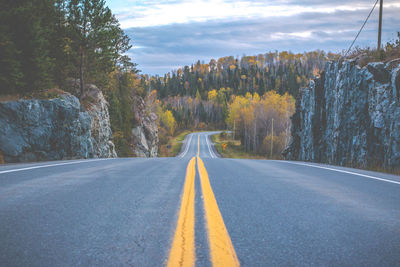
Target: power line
[(362, 27)]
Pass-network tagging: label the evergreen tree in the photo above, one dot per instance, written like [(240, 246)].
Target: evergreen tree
[(25, 31), (97, 40)]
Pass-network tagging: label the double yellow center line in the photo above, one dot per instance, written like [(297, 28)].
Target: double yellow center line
[(182, 250), (183, 247)]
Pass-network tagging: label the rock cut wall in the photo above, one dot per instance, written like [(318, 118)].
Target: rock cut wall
[(55, 129), (145, 134), (349, 116)]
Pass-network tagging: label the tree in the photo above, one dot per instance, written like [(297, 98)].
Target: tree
[(167, 120), (251, 118), (97, 39), (212, 95), (25, 40)]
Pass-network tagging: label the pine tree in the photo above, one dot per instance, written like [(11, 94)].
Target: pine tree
[(97, 39), (26, 63)]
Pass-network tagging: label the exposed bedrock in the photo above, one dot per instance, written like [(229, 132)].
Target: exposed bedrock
[(349, 116)]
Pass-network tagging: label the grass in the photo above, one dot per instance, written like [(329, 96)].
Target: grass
[(389, 52), (174, 145), (375, 168), (1, 157), (233, 148)]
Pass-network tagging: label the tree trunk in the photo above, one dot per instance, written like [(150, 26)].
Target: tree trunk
[(81, 72), (255, 136)]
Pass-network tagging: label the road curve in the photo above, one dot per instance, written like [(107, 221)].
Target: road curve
[(124, 211)]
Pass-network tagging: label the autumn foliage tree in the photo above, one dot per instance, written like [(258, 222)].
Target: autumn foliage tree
[(167, 121), (250, 118), (280, 71)]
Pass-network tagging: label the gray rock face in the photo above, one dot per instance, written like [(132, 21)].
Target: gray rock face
[(145, 135), (34, 130), (349, 116), (101, 132)]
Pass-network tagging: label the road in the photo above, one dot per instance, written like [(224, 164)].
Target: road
[(197, 209)]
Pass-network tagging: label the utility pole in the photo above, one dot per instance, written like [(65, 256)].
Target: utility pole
[(380, 27), (272, 136), (234, 129)]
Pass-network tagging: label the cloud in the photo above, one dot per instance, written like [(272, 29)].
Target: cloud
[(171, 34), (157, 13)]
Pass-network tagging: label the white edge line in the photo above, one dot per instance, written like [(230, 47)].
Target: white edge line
[(182, 153), (212, 149), (51, 165), (343, 171), (208, 145), (187, 146)]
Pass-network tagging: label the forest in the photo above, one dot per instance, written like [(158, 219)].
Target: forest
[(240, 94), (55, 43), (48, 44), (280, 71)]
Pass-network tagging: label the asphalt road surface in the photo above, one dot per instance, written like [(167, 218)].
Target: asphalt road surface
[(144, 212)]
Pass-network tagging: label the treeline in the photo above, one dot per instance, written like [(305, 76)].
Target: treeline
[(44, 43), (284, 72)]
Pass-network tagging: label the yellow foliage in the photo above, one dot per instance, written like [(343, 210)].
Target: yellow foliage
[(212, 95), (252, 115), (256, 97), (167, 120)]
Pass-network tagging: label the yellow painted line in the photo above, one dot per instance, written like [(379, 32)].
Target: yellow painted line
[(221, 247), (183, 250)]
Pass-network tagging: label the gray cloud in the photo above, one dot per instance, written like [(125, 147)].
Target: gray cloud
[(160, 49)]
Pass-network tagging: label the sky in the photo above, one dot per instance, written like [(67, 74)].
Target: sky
[(169, 34)]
